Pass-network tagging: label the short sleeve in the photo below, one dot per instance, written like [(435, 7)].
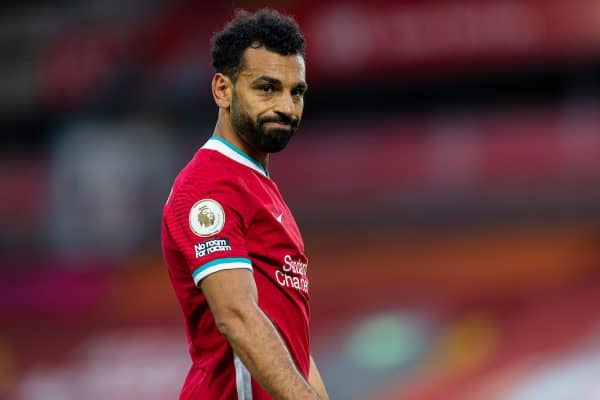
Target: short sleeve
[(208, 228)]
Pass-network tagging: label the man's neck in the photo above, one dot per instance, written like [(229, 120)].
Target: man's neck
[(224, 130)]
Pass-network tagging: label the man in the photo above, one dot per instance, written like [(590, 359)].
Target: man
[(234, 253)]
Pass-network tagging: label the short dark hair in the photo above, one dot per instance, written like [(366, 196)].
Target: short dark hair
[(267, 27)]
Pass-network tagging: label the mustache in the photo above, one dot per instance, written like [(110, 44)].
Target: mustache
[(284, 119)]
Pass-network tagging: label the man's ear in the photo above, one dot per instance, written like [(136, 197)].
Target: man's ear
[(222, 89)]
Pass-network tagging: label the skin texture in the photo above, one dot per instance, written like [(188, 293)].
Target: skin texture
[(314, 379), (269, 87)]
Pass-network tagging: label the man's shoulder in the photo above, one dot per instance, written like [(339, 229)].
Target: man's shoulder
[(205, 174), (208, 167)]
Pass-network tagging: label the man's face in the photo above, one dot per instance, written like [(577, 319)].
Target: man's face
[(268, 99)]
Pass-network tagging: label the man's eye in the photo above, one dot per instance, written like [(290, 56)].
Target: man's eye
[(266, 88)]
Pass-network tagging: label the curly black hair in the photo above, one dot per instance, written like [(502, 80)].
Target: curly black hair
[(267, 27)]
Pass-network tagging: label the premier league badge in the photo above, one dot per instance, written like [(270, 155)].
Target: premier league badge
[(207, 218)]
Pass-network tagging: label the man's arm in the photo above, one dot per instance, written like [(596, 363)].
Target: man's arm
[(232, 297), (314, 379)]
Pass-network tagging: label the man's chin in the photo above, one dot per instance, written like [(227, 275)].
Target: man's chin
[(277, 139)]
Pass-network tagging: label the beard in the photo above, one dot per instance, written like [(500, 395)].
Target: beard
[(256, 135)]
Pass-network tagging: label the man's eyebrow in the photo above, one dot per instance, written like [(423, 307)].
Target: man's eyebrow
[(277, 82), (265, 78)]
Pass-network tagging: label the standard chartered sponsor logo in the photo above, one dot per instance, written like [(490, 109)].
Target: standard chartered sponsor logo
[(292, 281), (293, 274), (297, 267)]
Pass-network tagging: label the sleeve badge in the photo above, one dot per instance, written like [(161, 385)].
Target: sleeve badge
[(207, 218)]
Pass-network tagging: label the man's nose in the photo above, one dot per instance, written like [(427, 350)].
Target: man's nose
[(285, 105)]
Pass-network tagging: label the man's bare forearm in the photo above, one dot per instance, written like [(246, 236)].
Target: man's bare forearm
[(315, 380), (257, 343)]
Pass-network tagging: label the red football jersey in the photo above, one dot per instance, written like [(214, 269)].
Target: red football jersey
[(225, 212)]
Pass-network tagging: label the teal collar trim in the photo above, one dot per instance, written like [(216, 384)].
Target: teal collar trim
[(224, 147)]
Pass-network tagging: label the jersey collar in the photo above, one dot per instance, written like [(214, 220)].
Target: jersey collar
[(228, 150)]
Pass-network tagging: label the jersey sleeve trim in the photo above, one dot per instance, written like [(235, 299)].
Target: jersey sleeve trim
[(218, 265)]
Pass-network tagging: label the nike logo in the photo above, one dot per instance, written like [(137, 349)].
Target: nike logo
[(279, 218)]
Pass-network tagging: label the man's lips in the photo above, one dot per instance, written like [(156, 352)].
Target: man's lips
[(278, 124)]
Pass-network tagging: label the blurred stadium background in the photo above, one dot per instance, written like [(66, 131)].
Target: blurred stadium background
[(446, 179)]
